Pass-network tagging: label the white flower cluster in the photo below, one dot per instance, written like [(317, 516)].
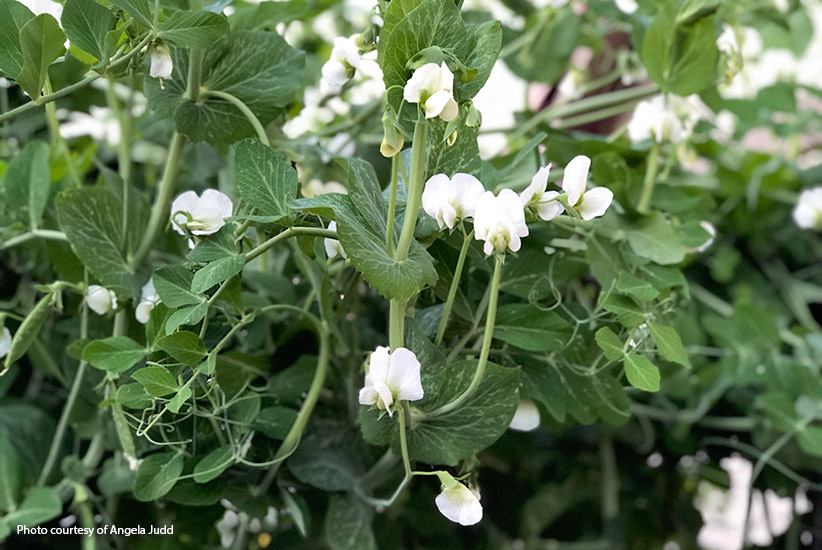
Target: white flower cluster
[(808, 210)]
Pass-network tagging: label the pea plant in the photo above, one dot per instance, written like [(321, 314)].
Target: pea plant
[(410, 274)]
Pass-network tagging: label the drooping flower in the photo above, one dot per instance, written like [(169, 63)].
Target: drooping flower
[(345, 58), (100, 299), (449, 200), (591, 203), (808, 210), (432, 86), (148, 299), (333, 248), (526, 418), (391, 377), (543, 203), (200, 215), (500, 221), (161, 63), (5, 342), (457, 502)]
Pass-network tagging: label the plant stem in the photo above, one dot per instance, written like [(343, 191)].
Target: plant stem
[(452, 291), (33, 234), (123, 115), (290, 232), (392, 204), (291, 440), (57, 138), (415, 187), (595, 116), (249, 114), (396, 324), (403, 440), (159, 211), (60, 431), (490, 320), (650, 180), (115, 62)]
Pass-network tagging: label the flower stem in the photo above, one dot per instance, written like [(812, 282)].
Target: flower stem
[(490, 321), (392, 204), (290, 232), (403, 440), (249, 114), (455, 283), (396, 324), (650, 180), (415, 187), (33, 234)]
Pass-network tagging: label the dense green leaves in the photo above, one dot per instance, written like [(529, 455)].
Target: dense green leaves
[(41, 504), (92, 220), (138, 9), (87, 25), (275, 422), (256, 67), (348, 524), (265, 179), (193, 29), (655, 239), (115, 354), (156, 475)]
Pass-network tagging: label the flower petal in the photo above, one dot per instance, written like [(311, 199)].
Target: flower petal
[(575, 178), (404, 375), (460, 505), (435, 104), (5, 342), (549, 209), (450, 111), (526, 418), (595, 202), (184, 202)]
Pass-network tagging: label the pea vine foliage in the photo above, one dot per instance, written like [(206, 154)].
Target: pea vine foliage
[(180, 371)]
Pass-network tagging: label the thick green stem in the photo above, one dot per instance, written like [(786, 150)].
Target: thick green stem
[(396, 324), (392, 204), (248, 113), (415, 188), (159, 211), (452, 292), (490, 321), (195, 68), (650, 180)]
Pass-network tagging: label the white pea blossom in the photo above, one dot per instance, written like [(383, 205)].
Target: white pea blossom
[(654, 119), (148, 299), (5, 342), (542, 202), (626, 6), (316, 187), (500, 221), (161, 64), (432, 86), (808, 210), (591, 203), (100, 299), (526, 418), (449, 200), (345, 58), (200, 215), (391, 377), (457, 502), (333, 248)]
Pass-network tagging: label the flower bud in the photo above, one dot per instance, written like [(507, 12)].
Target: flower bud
[(101, 300)]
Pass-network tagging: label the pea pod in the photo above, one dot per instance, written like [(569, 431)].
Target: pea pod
[(28, 330)]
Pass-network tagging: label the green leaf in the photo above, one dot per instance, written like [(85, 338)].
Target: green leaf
[(184, 346), (266, 180), (810, 440), (216, 272), (641, 373), (13, 17), (486, 42), (193, 29), (275, 422), (41, 41), (156, 475), (28, 182), (531, 328), (11, 472), (175, 403), (256, 67), (214, 464), (329, 456), (186, 316), (348, 524), (91, 218), (173, 285), (123, 429), (219, 245), (609, 343), (655, 239), (635, 287), (695, 69), (41, 504), (657, 44), (87, 25), (138, 9), (157, 381), (626, 310), (134, 396), (295, 510), (116, 354), (668, 343)]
